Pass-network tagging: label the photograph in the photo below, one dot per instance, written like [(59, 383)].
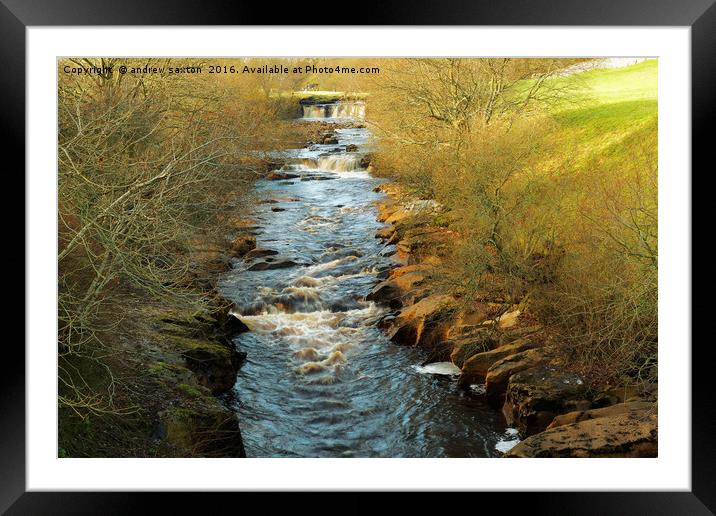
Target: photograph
[(357, 257)]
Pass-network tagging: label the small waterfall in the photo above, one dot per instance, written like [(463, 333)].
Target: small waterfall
[(328, 162), (339, 162), (353, 110)]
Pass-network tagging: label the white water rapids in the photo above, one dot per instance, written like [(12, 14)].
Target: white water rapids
[(321, 380)]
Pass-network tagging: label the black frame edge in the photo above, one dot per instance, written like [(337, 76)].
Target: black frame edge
[(12, 391), (700, 14), (703, 101)]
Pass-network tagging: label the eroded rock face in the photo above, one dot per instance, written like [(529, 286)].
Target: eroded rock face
[(425, 324), (385, 233), (631, 434), (499, 373), (614, 410), (205, 431), (387, 292), (401, 288), (537, 395), (214, 363), (474, 369)]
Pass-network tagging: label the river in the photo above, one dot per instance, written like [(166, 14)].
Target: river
[(321, 380)]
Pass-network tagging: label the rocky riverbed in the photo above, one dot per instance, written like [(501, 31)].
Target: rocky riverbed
[(323, 310), (502, 354)]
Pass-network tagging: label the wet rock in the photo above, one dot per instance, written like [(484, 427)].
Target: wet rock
[(387, 292), (614, 410), (259, 252), (263, 266), (474, 369), (329, 139), (537, 395), (499, 373), (387, 322), (631, 434), (276, 209), (278, 175), (227, 324), (318, 178), (233, 326), (351, 147)]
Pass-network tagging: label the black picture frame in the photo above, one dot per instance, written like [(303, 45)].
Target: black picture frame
[(17, 15)]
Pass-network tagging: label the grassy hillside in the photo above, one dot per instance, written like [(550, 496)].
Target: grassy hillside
[(555, 203), (612, 106)]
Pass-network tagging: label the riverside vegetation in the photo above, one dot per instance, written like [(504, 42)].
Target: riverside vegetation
[(520, 232)]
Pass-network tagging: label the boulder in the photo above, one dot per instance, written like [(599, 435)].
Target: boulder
[(631, 434), (419, 242), (351, 147), (537, 395), (278, 175), (469, 340), (214, 363), (474, 369), (425, 323), (242, 244), (259, 253), (386, 208), (586, 415), (400, 288), (385, 233), (227, 323), (386, 292), (499, 373), (264, 266)]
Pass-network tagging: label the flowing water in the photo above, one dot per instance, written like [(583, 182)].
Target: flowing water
[(321, 380)]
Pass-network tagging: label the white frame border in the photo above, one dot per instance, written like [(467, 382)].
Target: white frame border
[(671, 470)]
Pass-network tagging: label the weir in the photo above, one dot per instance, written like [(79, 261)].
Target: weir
[(339, 110), (320, 379)]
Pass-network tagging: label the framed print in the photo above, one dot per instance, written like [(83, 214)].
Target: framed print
[(385, 254)]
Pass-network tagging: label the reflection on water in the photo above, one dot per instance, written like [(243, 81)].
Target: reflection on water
[(320, 379)]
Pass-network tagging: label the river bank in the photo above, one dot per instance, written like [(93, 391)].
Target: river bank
[(330, 331), (500, 351), (166, 366)]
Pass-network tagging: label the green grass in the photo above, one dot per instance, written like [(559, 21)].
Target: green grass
[(610, 107), (636, 82)]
